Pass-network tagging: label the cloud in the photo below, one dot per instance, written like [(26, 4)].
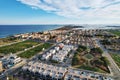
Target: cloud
[(78, 8)]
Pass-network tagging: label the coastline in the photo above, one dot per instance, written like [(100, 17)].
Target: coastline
[(4, 32), (12, 30)]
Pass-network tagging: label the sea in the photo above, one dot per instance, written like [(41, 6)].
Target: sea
[(9, 30)]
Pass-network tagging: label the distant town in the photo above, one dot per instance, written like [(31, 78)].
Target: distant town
[(66, 53)]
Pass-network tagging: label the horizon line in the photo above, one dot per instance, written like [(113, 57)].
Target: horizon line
[(69, 24)]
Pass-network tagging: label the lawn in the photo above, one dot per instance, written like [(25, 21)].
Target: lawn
[(116, 32), (89, 56), (87, 67), (34, 51), (17, 47), (116, 58)]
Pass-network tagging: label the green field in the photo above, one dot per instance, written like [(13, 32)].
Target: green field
[(8, 40), (116, 32), (89, 56), (32, 52), (17, 47), (87, 67), (116, 58)]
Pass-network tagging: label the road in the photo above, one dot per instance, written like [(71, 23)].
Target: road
[(36, 56), (113, 66), (12, 70), (23, 50), (16, 67)]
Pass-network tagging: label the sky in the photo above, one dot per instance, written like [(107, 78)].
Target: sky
[(59, 11)]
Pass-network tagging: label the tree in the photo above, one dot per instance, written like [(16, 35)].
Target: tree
[(106, 62), (97, 50), (81, 48)]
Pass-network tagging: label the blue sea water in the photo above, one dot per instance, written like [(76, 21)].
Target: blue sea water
[(8, 30)]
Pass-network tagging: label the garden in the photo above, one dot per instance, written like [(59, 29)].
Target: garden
[(90, 60)]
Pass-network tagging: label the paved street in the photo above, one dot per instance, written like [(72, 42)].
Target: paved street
[(114, 68), (12, 70)]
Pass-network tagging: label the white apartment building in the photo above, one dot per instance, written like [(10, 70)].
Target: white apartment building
[(61, 54), (14, 59), (58, 53)]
